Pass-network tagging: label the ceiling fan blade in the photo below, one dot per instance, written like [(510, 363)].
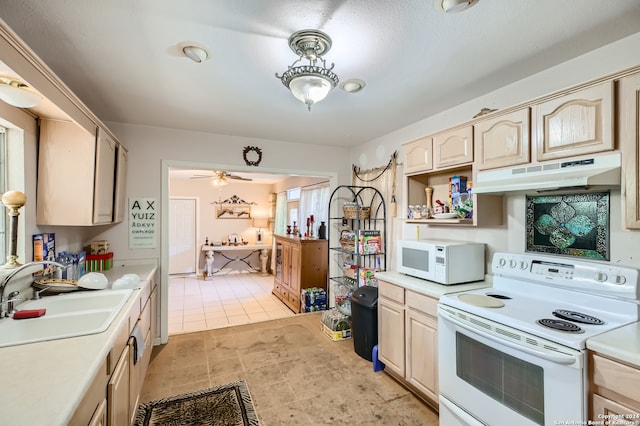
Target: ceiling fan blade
[(238, 177), (200, 176)]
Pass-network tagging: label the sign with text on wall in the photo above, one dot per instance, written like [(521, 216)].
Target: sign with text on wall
[(143, 223)]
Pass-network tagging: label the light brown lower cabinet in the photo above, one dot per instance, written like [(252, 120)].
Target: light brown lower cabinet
[(615, 395), (113, 397), (408, 339), (100, 415)]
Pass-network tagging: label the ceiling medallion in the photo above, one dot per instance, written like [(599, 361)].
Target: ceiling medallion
[(309, 83), (252, 155)]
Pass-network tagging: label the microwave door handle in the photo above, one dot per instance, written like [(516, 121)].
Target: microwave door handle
[(558, 359)]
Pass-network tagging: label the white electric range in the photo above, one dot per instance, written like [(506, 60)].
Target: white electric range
[(519, 346)]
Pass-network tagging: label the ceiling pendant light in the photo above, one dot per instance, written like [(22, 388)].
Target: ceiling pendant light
[(309, 83), (16, 93)]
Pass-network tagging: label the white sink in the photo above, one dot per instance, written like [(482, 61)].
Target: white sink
[(74, 315), (77, 302)]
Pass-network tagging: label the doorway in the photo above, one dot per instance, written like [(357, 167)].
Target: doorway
[(182, 236)]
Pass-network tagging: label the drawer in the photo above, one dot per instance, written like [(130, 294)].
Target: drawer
[(619, 378), (422, 303), (391, 291)]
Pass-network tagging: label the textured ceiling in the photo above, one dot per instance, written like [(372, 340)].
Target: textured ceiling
[(120, 57)]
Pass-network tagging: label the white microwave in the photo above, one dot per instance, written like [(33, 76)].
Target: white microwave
[(443, 261)]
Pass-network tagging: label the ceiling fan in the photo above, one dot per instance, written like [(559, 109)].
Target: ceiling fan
[(220, 177)]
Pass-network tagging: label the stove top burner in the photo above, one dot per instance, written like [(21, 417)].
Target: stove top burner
[(560, 325), (577, 317)]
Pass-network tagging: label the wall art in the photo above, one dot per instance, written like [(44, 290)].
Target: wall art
[(233, 208), (569, 224)]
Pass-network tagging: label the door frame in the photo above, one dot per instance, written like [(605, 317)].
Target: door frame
[(164, 223)]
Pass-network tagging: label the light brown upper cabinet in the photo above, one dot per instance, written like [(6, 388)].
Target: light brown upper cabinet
[(502, 141), (577, 123), (76, 175), (418, 156), (453, 147), (629, 125)]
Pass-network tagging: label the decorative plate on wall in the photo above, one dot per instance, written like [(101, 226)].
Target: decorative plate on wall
[(570, 224)]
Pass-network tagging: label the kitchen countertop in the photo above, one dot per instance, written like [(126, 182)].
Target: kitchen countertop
[(622, 343), (44, 382), (430, 288)]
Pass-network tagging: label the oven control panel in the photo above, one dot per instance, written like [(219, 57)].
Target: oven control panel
[(589, 276)]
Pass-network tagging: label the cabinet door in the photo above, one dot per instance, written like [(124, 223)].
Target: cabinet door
[(422, 353), (135, 382), (66, 161), (294, 267), (604, 408), (629, 125), (391, 350), (418, 155), (502, 141), (118, 392), (575, 124), (453, 147), (104, 178), (120, 199), (99, 418)]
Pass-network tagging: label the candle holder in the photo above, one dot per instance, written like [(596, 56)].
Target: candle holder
[(13, 200)]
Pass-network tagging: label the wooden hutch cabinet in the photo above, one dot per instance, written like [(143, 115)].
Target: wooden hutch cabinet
[(300, 263)]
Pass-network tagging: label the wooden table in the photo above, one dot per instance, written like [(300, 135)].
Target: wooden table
[(240, 254)]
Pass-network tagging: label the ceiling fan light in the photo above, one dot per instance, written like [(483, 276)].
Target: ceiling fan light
[(220, 181), (18, 94)]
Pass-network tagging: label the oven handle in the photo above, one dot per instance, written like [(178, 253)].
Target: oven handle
[(558, 359)]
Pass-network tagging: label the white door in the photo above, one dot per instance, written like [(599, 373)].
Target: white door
[(182, 236)]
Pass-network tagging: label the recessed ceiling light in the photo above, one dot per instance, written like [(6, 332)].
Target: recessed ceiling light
[(352, 85), (454, 6), (194, 51)]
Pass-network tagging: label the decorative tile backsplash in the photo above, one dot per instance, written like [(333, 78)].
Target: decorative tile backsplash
[(569, 224)]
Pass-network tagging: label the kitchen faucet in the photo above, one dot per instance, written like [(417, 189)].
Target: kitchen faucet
[(5, 280)]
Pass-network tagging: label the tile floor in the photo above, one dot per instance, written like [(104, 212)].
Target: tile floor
[(295, 374), (196, 304)]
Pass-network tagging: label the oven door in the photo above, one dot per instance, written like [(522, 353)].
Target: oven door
[(495, 375)]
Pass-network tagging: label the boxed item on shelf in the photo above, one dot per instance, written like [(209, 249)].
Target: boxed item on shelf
[(44, 248), (367, 276), (99, 247), (99, 262), (369, 241)]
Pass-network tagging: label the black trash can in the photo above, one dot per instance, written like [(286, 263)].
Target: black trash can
[(364, 320)]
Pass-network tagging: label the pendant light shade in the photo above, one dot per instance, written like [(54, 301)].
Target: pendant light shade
[(18, 94), (310, 88)]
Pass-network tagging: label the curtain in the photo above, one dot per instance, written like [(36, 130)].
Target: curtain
[(279, 225), (384, 180), (314, 200)]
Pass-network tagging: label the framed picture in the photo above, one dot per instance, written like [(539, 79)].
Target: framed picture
[(233, 211), (571, 224)]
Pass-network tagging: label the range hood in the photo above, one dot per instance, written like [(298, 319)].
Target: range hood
[(601, 170)]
